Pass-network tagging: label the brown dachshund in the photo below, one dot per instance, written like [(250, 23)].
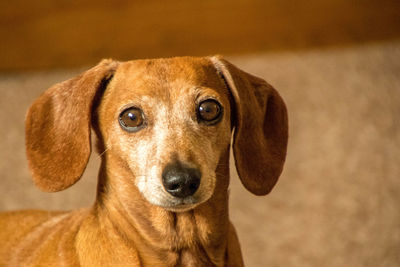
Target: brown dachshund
[(164, 133)]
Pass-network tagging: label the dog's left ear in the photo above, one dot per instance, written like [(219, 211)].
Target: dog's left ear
[(57, 128), (261, 128)]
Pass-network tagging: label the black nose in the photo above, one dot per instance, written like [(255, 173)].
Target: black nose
[(180, 181)]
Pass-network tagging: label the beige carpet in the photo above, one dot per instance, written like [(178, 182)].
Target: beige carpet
[(338, 200)]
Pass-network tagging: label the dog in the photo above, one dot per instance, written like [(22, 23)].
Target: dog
[(164, 129)]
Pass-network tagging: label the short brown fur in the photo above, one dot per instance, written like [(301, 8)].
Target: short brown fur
[(128, 225)]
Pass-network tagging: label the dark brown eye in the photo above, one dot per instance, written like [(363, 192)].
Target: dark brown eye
[(210, 111), (131, 119)]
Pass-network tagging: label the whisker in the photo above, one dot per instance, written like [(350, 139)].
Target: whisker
[(221, 174), (102, 153)]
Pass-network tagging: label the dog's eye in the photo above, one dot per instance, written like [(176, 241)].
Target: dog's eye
[(209, 111), (131, 119)]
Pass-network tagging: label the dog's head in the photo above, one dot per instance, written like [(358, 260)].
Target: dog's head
[(165, 122)]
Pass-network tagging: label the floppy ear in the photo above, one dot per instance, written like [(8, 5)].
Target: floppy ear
[(261, 128), (57, 128)]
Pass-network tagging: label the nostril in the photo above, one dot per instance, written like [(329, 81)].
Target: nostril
[(194, 185), (173, 186)]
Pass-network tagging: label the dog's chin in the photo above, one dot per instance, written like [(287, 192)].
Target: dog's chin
[(181, 208), (180, 205)]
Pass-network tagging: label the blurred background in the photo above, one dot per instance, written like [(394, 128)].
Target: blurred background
[(335, 62)]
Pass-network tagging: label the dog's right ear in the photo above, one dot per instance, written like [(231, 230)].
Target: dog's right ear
[(58, 125)]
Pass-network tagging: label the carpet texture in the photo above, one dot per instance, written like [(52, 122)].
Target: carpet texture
[(338, 200)]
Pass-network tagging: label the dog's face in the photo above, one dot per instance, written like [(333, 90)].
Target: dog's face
[(164, 125), (168, 121)]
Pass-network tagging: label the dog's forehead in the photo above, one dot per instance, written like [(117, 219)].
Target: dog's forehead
[(161, 76)]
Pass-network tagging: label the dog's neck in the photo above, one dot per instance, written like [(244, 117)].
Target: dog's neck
[(197, 237)]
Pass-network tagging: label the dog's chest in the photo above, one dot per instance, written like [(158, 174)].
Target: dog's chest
[(194, 258)]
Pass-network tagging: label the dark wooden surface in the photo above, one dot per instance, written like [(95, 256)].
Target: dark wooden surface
[(56, 34)]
